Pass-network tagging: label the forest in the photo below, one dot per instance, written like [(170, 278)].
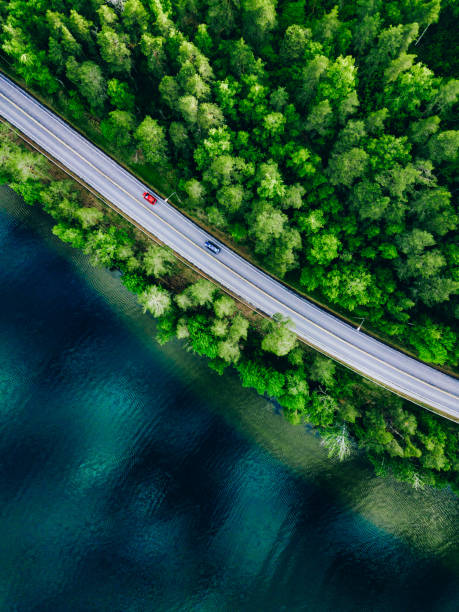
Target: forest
[(350, 414), (319, 138)]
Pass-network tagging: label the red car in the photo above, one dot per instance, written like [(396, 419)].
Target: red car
[(149, 198)]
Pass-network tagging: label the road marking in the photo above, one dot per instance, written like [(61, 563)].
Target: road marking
[(177, 231)]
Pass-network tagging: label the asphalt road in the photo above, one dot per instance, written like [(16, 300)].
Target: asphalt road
[(373, 359)]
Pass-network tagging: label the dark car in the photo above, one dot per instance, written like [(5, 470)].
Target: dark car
[(212, 247), (149, 198)]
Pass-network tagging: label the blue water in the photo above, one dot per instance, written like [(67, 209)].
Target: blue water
[(133, 478)]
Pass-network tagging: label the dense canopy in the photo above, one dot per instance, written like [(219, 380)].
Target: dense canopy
[(322, 137)]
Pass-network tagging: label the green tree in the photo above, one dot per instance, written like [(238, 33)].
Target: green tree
[(444, 146), (56, 55), (90, 81), (152, 141), (338, 442), (183, 300), (390, 44), (258, 19), (118, 128), (221, 16), (134, 16), (190, 53), (375, 121), (311, 75), (188, 107), (89, 216), (368, 200), (446, 97), (320, 118), (279, 98), (30, 63), (402, 63), (120, 96), (224, 306), (203, 40), (274, 124), (266, 224), (323, 371), (425, 265), (228, 351), (433, 209), (179, 137), (73, 235), (327, 28), (222, 171), (294, 44), (321, 411), (158, 261), (81, 27), (231, 197), (202, 292), (182, 330), (345, 168), (197, 87), (365, 32), (294, 196), (209, 116), (302, 162), (133, 282), (24, 165), (279, 339), (219, 328), (114, 50), (169, 91), (284, 256), (238, 329), (350, 136), (101, 245), (432, 341), (107, 15), (435, 290), (195, 191), (415, 241), (271, 185), (420, 131), (350, 289), (56, 192), (242, 59), (216, 217), (324, 248), (153, 49), (155, 300)]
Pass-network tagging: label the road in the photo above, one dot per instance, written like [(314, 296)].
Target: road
[(373, 359)]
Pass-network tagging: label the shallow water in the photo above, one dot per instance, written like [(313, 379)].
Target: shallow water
[(134, 478)]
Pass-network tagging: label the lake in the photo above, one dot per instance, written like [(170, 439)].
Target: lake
[(134, 478)]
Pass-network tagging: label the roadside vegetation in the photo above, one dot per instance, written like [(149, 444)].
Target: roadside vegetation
[(350, 413), (319, 136)]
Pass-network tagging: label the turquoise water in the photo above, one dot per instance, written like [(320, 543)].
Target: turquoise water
[(133, 478)]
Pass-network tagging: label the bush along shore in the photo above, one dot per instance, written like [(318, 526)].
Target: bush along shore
[(319, 137), (350, 413)]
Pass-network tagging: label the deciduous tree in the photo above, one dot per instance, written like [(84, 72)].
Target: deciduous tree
[(155, 300), (152, 141), (279, 339)]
